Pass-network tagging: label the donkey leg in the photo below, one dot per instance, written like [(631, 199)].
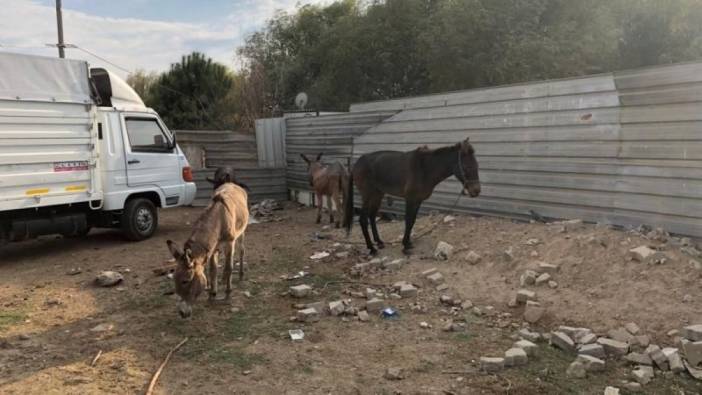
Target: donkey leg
[(364, 228), (228, 268), (339, 210), (373, 213), (411, 210), (212, 278), (331, 211), (320, 203), (242, 250)]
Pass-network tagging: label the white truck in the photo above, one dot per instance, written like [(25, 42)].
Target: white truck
[(79, 149)]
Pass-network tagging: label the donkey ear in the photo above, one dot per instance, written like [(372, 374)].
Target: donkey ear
[(188, 257), (174, 249), (320, 156), (304, 158)]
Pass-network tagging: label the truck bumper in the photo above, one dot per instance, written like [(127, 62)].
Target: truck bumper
[(190, 192)]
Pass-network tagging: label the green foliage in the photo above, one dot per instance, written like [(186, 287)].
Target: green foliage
[(350, 51), (193, 94)]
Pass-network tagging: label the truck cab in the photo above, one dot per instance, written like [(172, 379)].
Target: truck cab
[(79, 149)]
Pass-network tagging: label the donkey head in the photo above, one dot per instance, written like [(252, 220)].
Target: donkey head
[(313, 166), (467, 169), (224, 175), (189, 277)]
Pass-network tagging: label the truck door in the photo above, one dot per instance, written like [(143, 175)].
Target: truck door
[(151, 156)]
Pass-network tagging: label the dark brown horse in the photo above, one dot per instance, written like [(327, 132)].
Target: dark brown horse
[(412, 175)]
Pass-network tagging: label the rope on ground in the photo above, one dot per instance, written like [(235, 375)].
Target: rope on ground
[(154, 379)]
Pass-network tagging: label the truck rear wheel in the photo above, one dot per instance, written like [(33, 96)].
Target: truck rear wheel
[(139, 219)]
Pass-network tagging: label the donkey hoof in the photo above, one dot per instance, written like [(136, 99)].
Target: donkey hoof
[(373, 251), (319, 221), (337, 225), (407, 251), (381, 245)]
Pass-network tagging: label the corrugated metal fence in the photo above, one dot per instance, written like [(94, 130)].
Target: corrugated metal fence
[(207, 150), (331, 135), (622, 148)]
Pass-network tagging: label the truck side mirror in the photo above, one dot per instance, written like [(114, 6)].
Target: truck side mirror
[(173, 140)]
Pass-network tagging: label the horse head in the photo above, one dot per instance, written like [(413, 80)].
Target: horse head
[(467, 169)]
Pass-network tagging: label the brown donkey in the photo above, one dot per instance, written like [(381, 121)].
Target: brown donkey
[(412, 175), (330, 181), (220, 227)]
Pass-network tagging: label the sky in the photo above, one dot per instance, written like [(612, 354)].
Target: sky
[(138, 34)]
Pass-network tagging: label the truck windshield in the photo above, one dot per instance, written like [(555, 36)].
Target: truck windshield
[(145, 135)]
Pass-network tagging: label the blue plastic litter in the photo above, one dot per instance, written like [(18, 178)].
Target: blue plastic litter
[(390, 313)]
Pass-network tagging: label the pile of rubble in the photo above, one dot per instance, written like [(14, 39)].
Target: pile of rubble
[(592, 352), (263, 211)]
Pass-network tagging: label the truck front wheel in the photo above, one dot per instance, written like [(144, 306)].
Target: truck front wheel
[(139, 219)]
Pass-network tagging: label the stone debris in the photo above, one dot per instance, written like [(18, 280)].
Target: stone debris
[(693, 332), (449, 218), (363, 316), (524, 294), (393, 265), (694, 372), (528, 347), (639, 359), (585, 338), (656, 354), (613, 347), (692, 351), (436, 278), (528, 278), (394, 374), (547, 268), (645, 254), (621, 335), (533, 312), (675, 361), (441, 287), (307, 315), (108, 279), (673, 332), (370, 293), (429, 272), (562, 341), (445, 299), (408, 291), (337, 308), (593, 350), (632, 328), (515, 357), (697, 265), (643, 374), (424, 325), (576, 370), (573, 332), (375, 305), (552, 284), (491, 364), (319, 306), (473, 258), (529, 335), (643, 340), (443, 251), (454, 327), (300, 291), (102, 328), (611, 391), (342, 254), (543, 279), (592, 364)]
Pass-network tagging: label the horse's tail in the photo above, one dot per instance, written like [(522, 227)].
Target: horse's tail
[(348, 205)]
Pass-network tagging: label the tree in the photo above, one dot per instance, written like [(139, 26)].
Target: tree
[(193, 94), (141, 82), (351, 51)]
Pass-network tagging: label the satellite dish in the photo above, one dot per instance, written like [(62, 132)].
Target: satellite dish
[(301, 100)]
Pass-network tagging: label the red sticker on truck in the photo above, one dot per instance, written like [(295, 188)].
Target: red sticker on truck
[(71, 166)]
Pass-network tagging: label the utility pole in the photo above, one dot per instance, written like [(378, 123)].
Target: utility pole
[(59, 25)]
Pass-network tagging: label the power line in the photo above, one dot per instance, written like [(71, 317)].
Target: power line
[(103, 59)]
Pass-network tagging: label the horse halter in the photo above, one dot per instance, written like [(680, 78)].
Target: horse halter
[(461, 172)]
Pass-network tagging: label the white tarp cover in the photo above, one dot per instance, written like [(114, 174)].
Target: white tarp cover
[(40, 78)]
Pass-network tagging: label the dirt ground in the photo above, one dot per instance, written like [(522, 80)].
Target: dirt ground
[(50, 317)]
